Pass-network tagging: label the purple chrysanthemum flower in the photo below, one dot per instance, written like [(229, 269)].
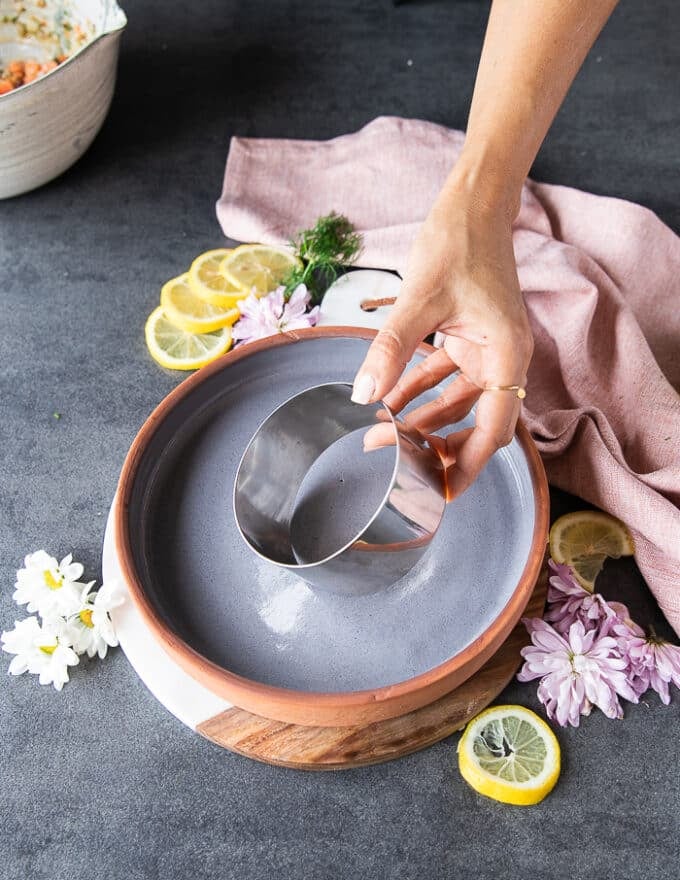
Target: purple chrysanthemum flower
[(578, 670), (569, 602), (593, 653), (271, 314), (652, 662)]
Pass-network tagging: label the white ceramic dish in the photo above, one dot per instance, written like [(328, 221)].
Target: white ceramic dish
[(46, 125), (188, 700)]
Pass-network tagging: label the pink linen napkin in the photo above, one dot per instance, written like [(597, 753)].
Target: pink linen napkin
[(601, 279)]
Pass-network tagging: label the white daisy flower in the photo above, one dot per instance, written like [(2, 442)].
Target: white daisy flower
[(47, 586), (42, 649), (91, 629)]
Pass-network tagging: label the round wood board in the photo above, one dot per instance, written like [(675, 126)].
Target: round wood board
[(296, 746)]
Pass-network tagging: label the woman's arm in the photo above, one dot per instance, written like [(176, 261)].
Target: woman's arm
[(461, 276), (532, 51)]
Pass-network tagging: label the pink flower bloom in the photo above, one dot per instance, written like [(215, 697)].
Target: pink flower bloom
[(621, 614), (652, 661), (624, 629), (271, 314), (562, 583), (578, 670), (569, 602)]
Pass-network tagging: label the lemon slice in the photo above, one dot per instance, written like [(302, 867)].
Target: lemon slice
[(509, 754), (176, 349), (259, 266), (206, 281), (583, 540), (188, 312)]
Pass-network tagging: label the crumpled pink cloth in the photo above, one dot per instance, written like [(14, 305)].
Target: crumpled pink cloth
[(601, 279)]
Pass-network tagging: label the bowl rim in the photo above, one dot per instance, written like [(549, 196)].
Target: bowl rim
[(206, 671)]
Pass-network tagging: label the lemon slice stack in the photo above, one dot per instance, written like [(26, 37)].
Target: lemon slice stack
[(192, 324)]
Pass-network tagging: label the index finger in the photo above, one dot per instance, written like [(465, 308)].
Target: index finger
[(495, 421), (429, 372)]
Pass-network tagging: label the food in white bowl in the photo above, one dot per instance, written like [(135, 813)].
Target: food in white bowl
[(35, 38), (58, 63)]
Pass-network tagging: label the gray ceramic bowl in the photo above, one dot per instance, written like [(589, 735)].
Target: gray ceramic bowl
[(257, 634)]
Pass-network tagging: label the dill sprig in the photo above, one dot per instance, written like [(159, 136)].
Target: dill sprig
[(330, 246)]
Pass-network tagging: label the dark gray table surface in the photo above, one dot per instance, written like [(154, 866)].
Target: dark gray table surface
[(100, 780)]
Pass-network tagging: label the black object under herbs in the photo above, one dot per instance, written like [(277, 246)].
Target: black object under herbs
[(325, 250)]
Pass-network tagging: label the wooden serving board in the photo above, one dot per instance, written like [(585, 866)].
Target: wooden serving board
[(336, 748)]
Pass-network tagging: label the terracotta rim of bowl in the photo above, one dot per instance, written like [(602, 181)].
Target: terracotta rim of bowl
[(307, 707)]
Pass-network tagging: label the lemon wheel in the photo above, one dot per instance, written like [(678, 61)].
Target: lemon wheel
[(258, 267), (191, 313), (584, 539), (174, 348), (209, 284), (509, 754)]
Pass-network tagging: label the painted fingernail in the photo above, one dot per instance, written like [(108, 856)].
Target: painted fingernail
[(364, 388)]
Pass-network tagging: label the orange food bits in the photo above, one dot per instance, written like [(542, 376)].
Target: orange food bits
[(20, 73), (15, 73), (31, 71)]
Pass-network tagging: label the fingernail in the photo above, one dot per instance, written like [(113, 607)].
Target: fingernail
[(364, 389)]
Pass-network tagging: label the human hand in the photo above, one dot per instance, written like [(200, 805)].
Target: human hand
[(461, 279)]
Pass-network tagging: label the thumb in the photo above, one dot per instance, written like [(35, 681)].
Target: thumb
[(390, 351)]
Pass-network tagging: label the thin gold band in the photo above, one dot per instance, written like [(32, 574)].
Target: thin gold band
[(520, 392)]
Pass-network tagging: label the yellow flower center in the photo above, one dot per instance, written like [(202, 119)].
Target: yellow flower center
[(48, 649), (86, 616), (50, 580)]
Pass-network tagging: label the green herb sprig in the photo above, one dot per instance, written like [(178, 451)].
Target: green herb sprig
[(330, 246)]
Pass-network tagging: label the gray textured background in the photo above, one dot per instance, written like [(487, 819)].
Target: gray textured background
[(100, 780)]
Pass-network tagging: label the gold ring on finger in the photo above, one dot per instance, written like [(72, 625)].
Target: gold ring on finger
[(518, 389)]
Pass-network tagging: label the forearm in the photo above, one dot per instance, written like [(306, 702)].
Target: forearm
[(532, 52)]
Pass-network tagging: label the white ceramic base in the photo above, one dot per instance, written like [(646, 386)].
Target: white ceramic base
[(341, 305), (178, 692)]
